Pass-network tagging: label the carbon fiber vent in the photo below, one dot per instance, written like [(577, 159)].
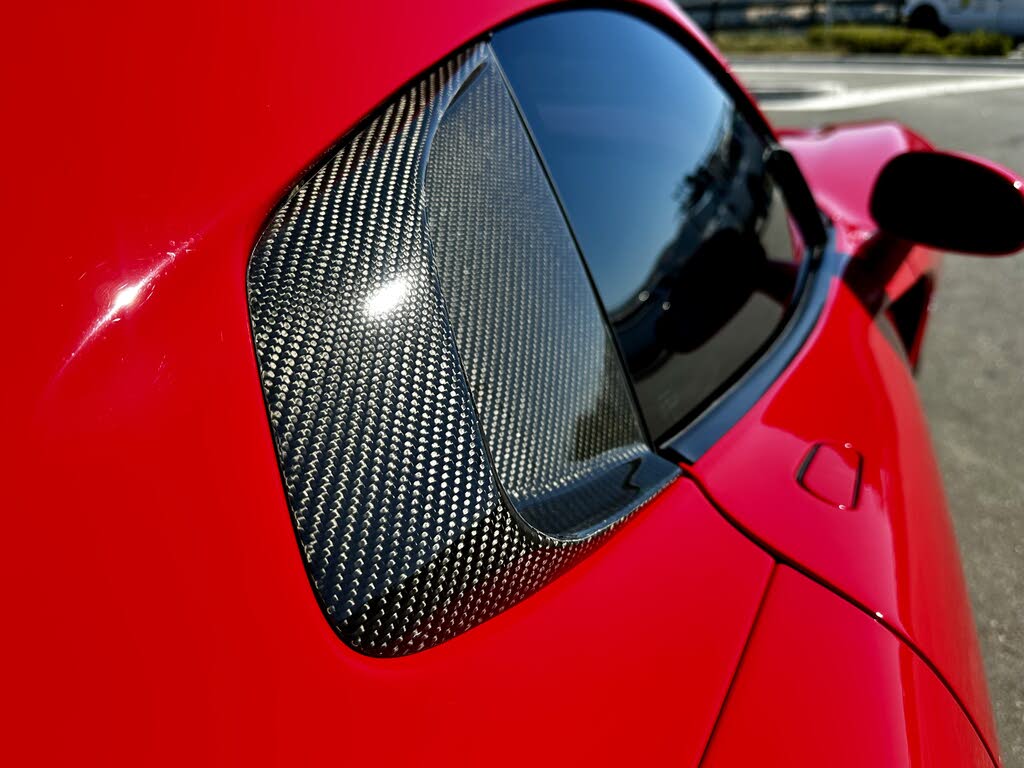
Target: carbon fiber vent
[(550, 391), (370, 371)]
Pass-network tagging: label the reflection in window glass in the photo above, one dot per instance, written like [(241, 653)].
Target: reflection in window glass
[(664, 184)]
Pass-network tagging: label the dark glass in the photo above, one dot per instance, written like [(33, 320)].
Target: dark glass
[(665, 187)]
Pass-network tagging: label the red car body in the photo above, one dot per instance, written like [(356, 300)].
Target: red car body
[(729, 622)]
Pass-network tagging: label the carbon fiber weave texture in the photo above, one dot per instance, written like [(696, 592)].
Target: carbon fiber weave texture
[(549, 389), (406, 532)]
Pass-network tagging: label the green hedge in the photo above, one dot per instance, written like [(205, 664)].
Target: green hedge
[(978, 43), (856, 38), (764, 42)]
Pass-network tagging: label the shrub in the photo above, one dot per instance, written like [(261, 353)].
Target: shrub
[(763, 42), (861, 38), (925, 44), (978, 43), (857, 38)]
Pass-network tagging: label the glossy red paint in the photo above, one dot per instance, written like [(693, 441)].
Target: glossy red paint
[(203, 643), (158, 609), (895, 554), (851, 693), (841, 164), (831, 473)]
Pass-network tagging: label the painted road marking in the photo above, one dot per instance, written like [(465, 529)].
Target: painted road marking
[(853, 68), (955, 81)]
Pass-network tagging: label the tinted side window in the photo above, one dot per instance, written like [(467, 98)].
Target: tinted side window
[(665, 187)]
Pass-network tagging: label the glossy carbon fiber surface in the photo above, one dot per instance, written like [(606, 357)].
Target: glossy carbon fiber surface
[(406, 530), (552, 398)]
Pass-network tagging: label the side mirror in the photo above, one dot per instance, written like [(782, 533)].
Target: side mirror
[(950, 202)]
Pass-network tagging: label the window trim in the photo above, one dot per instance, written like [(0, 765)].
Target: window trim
[(707, 423), (732, 404)]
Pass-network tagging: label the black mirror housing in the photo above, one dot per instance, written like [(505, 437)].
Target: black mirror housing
[(950, 202)]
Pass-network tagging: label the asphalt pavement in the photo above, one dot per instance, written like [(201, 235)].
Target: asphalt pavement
[(972, 375)]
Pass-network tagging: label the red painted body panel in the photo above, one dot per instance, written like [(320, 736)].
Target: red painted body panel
[(895, 553), (158, 608), (841, 164), (203, 643), (835, 714), (831, 473)]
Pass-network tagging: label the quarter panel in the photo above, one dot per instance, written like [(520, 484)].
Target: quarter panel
[(158, 605), (894, 553), (823, 684), (185, 651)]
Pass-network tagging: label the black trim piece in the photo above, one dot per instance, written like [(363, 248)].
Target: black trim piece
[(891, 333), (693, 441), (806, 463), (908, 313), (784, 170)]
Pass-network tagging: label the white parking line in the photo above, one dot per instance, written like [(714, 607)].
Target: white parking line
[(954, 81), (823, 68), (866, 97)]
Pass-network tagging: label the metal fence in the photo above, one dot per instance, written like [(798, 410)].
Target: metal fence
[(715, 15)]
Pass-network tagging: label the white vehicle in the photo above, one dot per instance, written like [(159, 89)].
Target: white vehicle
[(1006, 16)]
